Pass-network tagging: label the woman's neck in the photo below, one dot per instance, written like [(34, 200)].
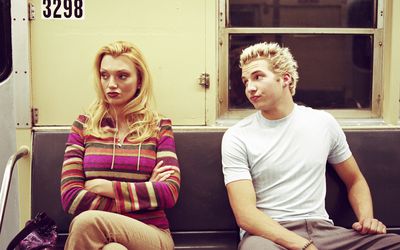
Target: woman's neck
[(117, 114), (121, 126), (119, 119)]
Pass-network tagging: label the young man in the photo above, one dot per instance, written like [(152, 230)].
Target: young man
[(274, 166)]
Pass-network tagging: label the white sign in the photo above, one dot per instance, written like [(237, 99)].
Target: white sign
[(63, 9)]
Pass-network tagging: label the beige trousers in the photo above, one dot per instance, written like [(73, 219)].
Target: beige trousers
[(104, 230)]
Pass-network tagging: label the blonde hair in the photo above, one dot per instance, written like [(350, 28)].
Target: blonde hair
[(280, 59), (142, 120)]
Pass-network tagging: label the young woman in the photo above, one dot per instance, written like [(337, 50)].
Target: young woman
[(120, 169)]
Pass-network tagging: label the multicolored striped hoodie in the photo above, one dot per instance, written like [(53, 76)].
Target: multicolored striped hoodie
[(128, 165)]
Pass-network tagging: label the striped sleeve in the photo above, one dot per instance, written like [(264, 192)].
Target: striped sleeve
[(74, 198), (152, 195)]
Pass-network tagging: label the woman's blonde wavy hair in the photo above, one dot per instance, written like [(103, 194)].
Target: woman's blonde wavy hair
[(280, 58), (142, 120)]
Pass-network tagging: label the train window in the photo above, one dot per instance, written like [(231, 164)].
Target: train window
[(302, 13), (5, 39), (336, 43), (342, 79)]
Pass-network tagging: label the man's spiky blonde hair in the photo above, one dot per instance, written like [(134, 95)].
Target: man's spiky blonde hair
[(280, 59)]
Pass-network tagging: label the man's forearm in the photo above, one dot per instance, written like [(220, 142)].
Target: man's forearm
[(258, 223), (360, 199)]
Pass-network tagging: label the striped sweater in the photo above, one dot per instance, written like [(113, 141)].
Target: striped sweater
[(88, 157)]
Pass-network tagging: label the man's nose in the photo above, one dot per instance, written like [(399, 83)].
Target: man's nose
[(251, 87)]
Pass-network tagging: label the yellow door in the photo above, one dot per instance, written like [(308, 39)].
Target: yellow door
[(64, 40)]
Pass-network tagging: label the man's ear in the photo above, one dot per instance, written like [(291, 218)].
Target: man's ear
[(287, 79)]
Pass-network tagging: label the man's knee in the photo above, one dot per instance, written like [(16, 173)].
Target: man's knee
[(250, 242), (387, 241)]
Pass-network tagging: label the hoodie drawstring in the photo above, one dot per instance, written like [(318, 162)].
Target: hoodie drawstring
[(113, 153), (138, 159)]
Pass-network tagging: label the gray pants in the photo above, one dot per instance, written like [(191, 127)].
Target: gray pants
[(326, 236)]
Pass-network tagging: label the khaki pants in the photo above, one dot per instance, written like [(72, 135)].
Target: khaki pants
[(326, 237), (104, 230)]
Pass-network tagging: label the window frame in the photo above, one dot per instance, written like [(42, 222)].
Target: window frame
[(225, 31)]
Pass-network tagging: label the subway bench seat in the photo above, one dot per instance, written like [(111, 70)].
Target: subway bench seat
[(202, 218)]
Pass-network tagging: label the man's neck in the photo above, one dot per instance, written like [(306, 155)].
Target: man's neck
[(280, 111)]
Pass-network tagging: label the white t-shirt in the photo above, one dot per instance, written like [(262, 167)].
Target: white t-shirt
[(286, 160)]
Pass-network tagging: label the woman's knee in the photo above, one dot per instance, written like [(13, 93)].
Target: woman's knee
[(114, 246), (85, 220)]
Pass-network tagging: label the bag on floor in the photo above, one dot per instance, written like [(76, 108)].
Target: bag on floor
[(38, 233)]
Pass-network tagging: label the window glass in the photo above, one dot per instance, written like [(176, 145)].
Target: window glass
[(302, 13), (335, 70), (5, 39)]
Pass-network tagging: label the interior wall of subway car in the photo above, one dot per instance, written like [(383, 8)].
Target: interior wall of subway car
[(47, 51)]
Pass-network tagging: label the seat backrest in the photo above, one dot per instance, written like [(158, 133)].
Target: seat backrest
[(203, 204), (47, 158), (202, 200)]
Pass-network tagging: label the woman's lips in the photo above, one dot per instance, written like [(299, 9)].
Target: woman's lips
[(112, 94)]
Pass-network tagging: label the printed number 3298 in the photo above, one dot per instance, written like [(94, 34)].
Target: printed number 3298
[(62, 9)]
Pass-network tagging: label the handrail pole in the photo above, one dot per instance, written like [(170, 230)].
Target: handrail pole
[(5, 185)]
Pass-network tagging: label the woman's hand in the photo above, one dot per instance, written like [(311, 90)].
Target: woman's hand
[(162, 173), (101, 187)]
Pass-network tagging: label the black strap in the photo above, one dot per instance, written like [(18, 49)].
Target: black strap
[(40, 220)]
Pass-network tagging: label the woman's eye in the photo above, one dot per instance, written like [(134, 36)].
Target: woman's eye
[(123, 77), (104, 76), (259, 77)]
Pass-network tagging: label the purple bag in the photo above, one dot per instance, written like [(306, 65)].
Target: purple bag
[(38, 233)]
